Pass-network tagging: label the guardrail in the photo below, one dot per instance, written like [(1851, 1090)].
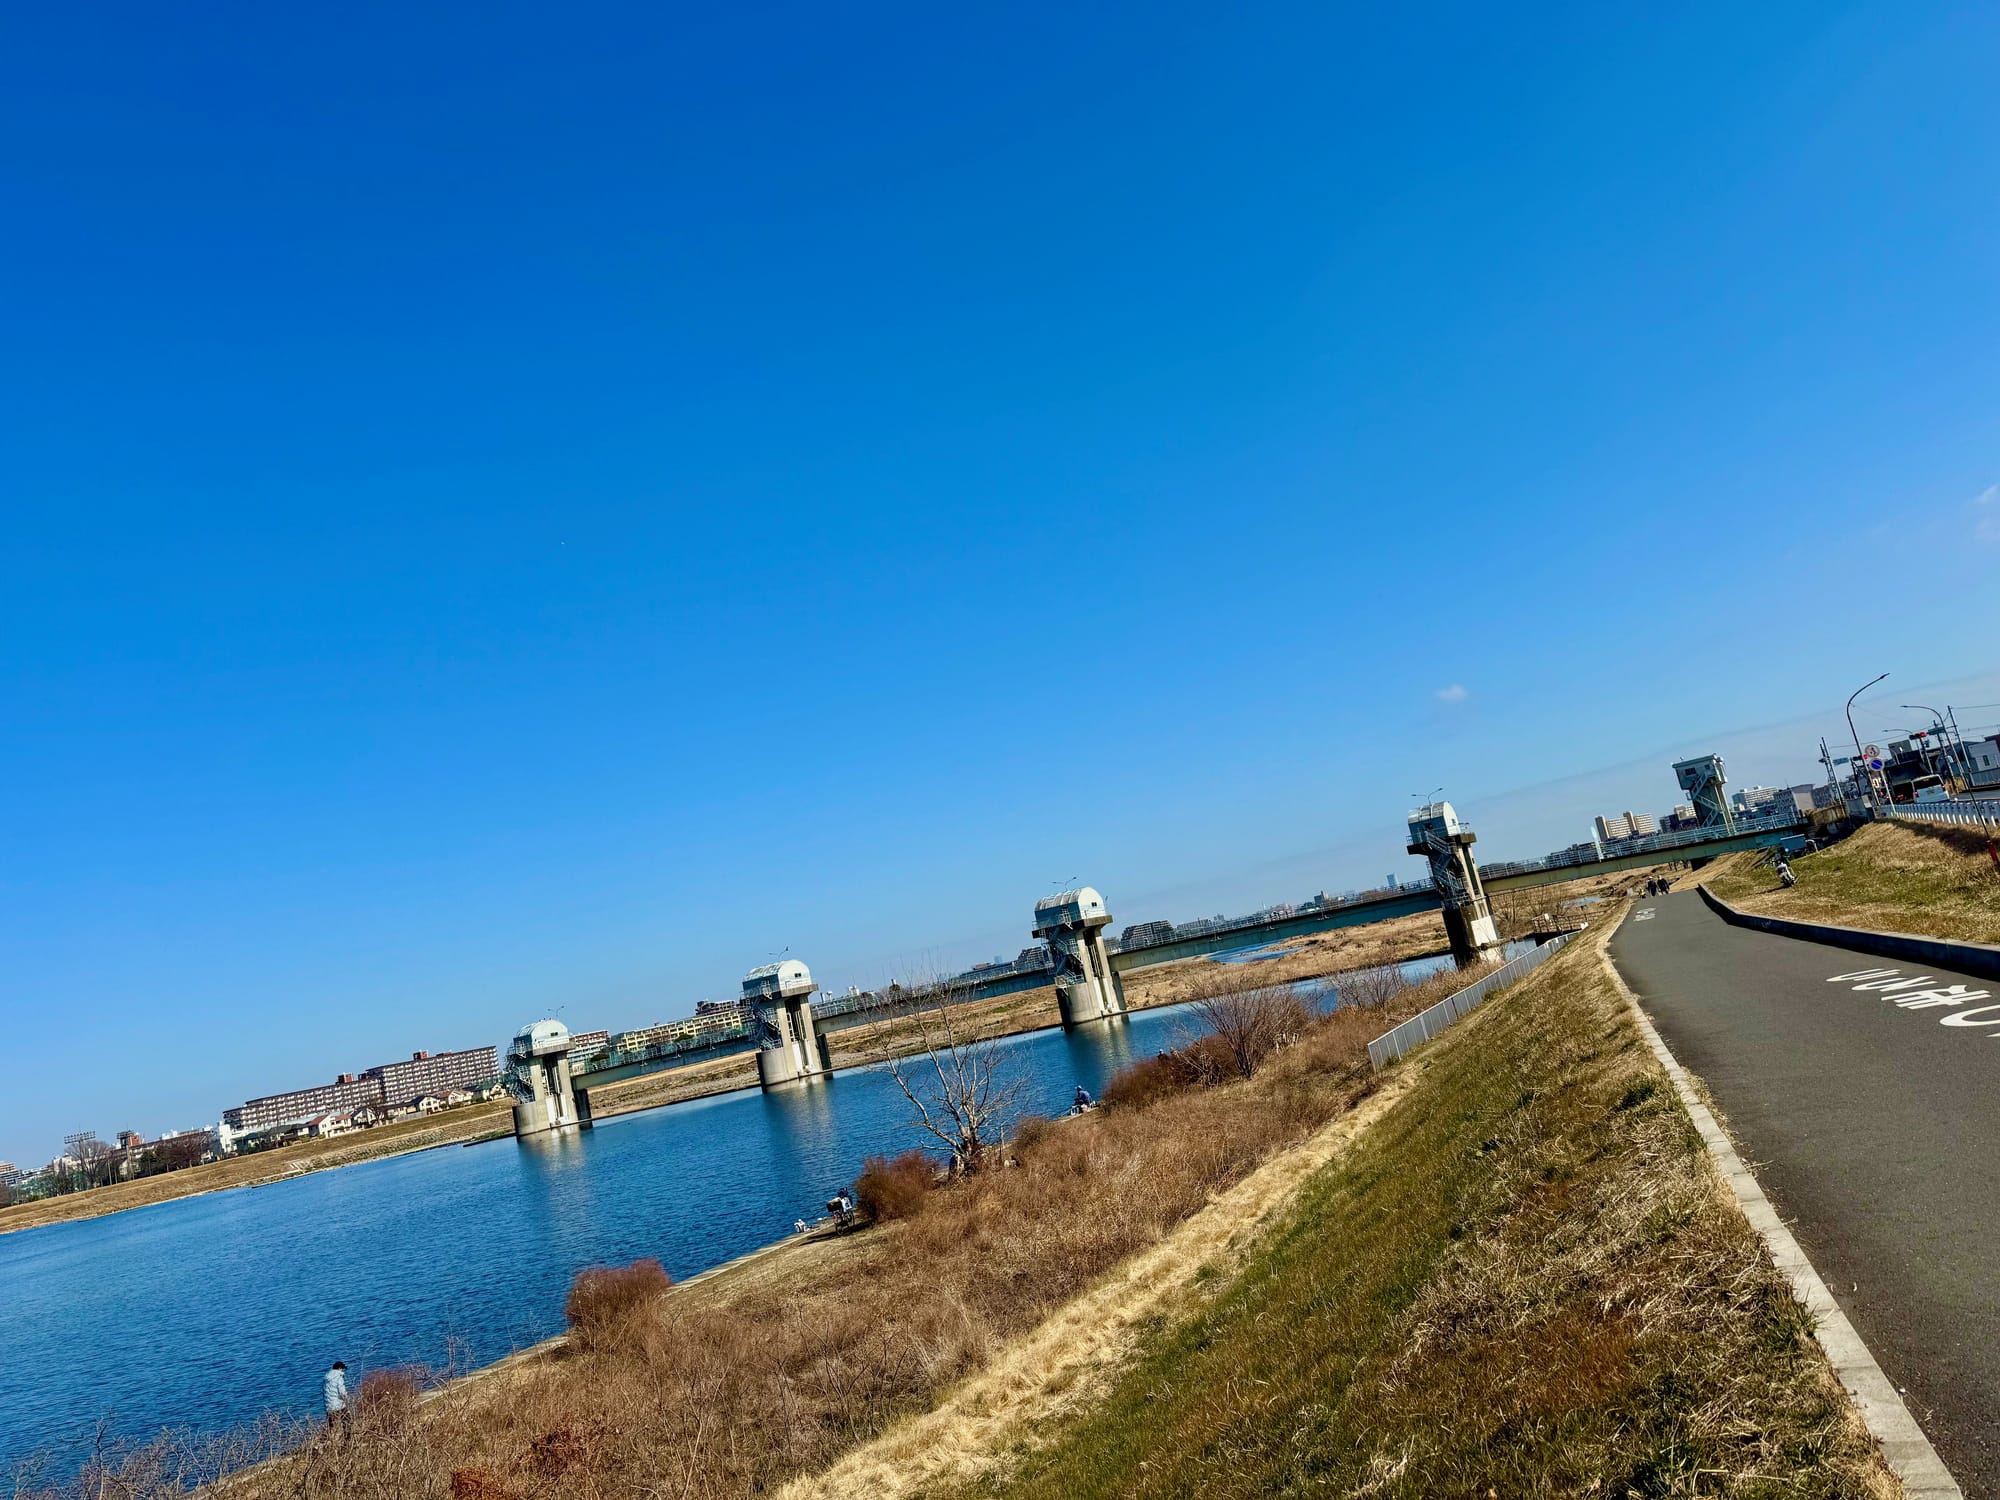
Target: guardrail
[(1426, 1024), (1961, 812)]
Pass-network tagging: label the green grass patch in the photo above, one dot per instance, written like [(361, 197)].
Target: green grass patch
[(1521, 1281)]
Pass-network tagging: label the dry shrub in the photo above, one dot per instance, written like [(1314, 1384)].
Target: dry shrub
[(388, 1398), (1145, 1082), (1031, 1130), (565, 1446), (477, 1484), (894, 1187), (603, 1300)]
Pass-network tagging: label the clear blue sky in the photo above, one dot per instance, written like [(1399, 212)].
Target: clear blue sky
[(517, 510)]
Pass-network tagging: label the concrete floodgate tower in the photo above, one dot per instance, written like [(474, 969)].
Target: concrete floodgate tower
[(1437, 834), (545, 1095), (1072, 923), (781, 995), (1701, 779)]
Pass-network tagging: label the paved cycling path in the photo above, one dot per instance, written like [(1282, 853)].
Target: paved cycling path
[(1869, 1107)]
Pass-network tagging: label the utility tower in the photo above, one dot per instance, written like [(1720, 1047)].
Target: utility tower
[(1072, 923), (1437, 834)]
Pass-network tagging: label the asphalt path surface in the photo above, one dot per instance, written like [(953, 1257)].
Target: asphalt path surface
[(1872, 1118)]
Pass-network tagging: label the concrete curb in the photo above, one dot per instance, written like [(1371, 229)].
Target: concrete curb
[(1907, 1451), (1966, 958)]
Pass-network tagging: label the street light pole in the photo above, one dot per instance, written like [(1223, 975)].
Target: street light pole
[(1863, 764), (1943, 734), (1964, 760)]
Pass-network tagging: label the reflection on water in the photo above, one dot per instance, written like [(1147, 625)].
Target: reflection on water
[(208, 1310), (1253, 955)]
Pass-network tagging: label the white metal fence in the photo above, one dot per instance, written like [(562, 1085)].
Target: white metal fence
[(1426, 1024), (1963, 812)]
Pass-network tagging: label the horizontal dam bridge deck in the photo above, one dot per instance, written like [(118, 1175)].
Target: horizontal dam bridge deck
[(1410, 900), (1381, 906)]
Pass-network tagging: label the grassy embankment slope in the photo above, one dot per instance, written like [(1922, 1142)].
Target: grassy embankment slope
[(1524, 1279), (1889, 877), (470, 1122)]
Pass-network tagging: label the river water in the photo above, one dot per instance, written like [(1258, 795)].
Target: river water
[(207, 1311)]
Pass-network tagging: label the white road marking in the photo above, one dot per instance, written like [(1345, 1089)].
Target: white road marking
[(1912, 994)]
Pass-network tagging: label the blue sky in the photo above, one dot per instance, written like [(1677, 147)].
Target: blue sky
[(511, 511)]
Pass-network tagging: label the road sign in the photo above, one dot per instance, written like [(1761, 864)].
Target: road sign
[(1875, 765), (1871, 752)]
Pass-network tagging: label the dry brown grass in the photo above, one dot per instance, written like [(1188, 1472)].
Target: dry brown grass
[(699, 1396), (1888, 877)]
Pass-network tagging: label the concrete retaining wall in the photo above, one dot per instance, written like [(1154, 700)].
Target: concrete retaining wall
[(1966, 958), (1426, 1024)]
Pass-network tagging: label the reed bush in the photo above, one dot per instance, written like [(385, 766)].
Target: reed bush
[(604, 1299), (891, 1188)]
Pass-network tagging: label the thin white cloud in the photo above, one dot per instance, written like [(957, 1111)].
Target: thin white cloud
[(1986, 514), (1456, 693)]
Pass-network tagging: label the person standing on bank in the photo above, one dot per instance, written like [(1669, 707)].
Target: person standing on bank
[(336, 1397)]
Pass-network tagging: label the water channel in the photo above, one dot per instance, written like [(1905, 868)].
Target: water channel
[(206, 1311)]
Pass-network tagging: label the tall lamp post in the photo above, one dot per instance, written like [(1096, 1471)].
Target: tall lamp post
[(1857, 738)]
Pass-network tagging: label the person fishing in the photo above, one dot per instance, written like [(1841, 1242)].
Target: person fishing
[(335, 1390)]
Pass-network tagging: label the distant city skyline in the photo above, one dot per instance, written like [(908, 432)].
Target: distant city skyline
[(544, 527)]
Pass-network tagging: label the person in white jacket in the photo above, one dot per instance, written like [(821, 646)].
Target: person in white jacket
[(336, 1396)]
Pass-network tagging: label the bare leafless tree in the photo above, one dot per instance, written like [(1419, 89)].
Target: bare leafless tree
[(962, 1087), (1249, 1025), (1371, 987)]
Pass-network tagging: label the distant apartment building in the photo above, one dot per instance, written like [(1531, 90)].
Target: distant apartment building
[(436, 1074), (345, 1093), (378, 1088), (668, 1033), (1145, 934), (1629, 825)]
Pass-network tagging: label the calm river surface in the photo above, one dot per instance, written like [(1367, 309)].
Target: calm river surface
[(207, 1311)]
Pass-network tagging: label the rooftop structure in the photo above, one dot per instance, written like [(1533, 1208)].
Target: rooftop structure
[(1082, 907)]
